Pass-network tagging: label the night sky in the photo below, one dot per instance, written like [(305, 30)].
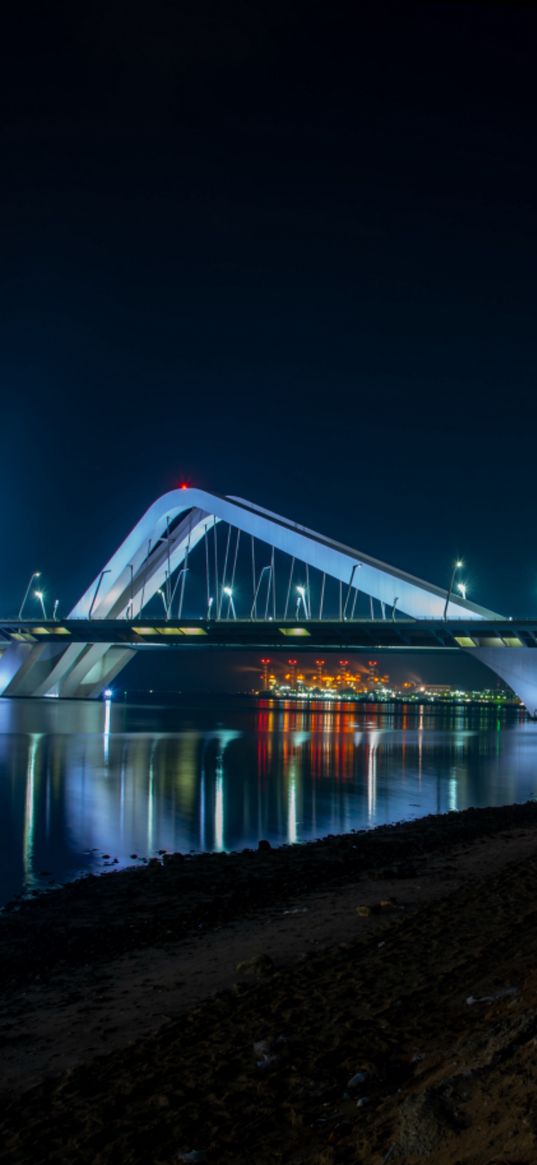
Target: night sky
[(284, 250)]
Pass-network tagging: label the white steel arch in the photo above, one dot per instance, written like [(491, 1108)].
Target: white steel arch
[(149, 556), (120, 585)]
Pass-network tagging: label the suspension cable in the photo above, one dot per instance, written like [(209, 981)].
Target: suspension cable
[(289, 588)]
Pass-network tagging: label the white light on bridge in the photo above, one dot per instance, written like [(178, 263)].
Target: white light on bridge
[(40, 595)]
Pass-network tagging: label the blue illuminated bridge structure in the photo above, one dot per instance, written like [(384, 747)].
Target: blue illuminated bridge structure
[(204, 571)]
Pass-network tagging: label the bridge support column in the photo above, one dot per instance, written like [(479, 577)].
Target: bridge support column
[(103, 672), (79, 671), (24, 667), (517, 666)]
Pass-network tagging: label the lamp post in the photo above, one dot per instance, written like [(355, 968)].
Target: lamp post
[(456, 566), (39, 595), (163, 597), (231, 606), (301, 592), (55, 609), (130, 608), (36, 574), (97, 589)]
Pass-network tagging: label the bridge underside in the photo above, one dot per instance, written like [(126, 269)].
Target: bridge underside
[(46, 667), (262, 582)]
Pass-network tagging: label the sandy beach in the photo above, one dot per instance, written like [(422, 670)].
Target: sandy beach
[(366, 998)]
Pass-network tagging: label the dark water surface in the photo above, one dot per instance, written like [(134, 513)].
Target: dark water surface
[(82, 780)]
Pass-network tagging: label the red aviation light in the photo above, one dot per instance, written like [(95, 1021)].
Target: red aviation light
[(265, 661), (183, 485), (292, 662)]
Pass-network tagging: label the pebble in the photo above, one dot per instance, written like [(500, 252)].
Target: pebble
[(267, 1062), (262, 1047), (471, 999), (356, 1080), (259, 965)]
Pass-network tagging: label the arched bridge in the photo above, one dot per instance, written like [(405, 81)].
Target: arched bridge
[(201, 569)]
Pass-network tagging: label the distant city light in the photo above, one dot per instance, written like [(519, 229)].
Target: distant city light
[(108, 693)]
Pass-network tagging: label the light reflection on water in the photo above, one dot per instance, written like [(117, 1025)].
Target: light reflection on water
[(79, 780)]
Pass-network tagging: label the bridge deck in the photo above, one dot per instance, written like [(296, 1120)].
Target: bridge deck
[(311, 635)]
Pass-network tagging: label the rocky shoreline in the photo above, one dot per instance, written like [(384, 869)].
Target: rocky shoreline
[(308, 1004)]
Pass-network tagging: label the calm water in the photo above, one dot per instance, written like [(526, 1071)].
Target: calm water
[(83, 780)]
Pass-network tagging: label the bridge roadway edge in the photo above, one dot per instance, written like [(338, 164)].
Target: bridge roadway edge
[(115, 642)]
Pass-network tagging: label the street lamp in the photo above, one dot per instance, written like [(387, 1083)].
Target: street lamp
[(39, 595), (229, 592), (130, 607), (301, 592), (163, 597), (107, 570), (456, 566), (36, 574), (210, 602), (55, 609)]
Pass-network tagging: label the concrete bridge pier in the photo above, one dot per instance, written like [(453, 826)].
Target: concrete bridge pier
[(78, 671), (517, 666)]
